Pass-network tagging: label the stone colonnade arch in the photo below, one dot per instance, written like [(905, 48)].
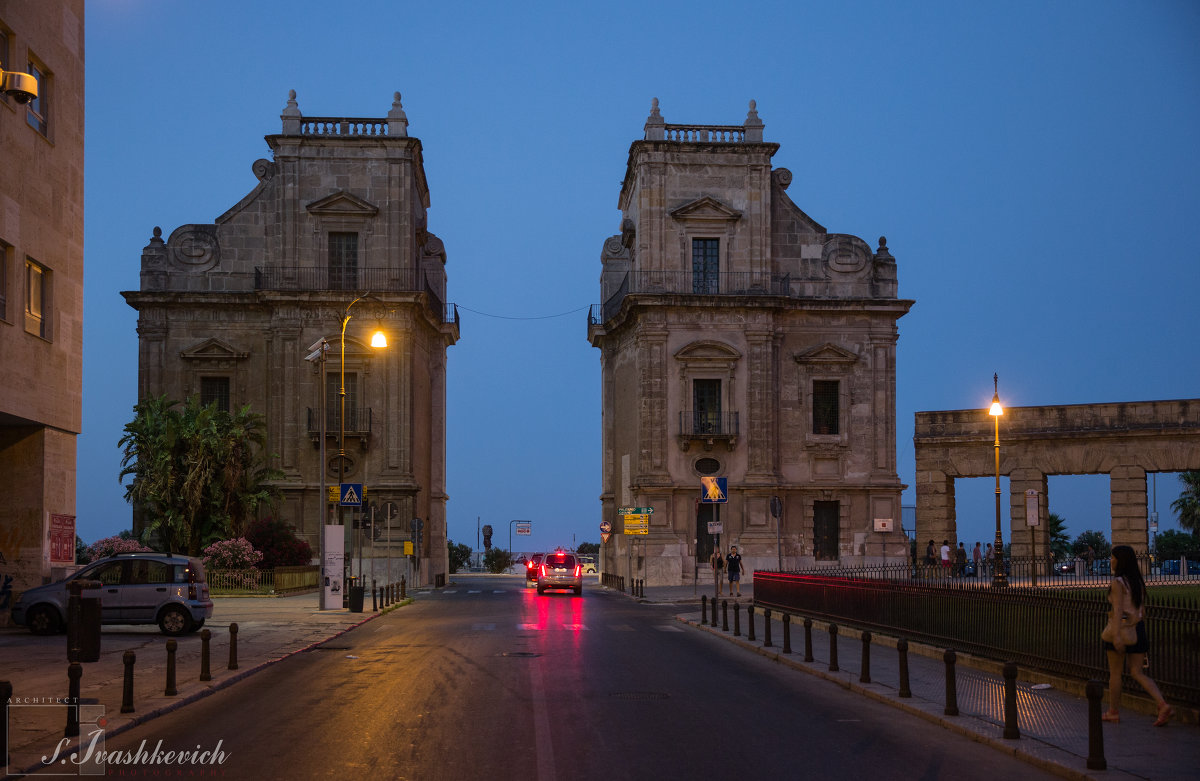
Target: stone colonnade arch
[(1124, 440)]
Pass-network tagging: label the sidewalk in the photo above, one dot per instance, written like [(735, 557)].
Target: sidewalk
[(1052, 721), (269, 629)]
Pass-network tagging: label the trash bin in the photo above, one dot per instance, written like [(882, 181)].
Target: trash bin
[(356, 596), (83, 622)]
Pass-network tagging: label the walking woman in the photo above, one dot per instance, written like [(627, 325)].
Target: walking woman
[(1127, 595)]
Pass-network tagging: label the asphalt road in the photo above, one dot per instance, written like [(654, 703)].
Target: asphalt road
[(491, 681)]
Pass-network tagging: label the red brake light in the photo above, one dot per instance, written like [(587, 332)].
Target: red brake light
[(578, 570)]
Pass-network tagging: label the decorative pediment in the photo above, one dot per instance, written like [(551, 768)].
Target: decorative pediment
[(828, 354), (213, 350), (342, 204), (706, 209), (707, 350)]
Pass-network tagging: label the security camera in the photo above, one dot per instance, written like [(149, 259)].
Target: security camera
[(21, 87)]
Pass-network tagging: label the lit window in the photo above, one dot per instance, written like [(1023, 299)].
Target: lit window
[(36, 297), (37, 111), (825, 406)]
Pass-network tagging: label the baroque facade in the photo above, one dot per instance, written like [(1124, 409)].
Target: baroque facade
[(740, 339), (331, 243), (41, 292)]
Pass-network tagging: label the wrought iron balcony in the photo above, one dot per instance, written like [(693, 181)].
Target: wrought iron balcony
[(707, 427), (378, 280), (358, 424), (691, 283)]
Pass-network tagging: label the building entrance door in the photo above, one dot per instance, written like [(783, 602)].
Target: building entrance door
[(826, 530)]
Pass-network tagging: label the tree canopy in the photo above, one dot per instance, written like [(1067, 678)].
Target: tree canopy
[(199, 473)]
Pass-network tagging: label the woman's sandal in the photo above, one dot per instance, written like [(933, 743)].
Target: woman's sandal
[(1164, 715), (1112, 716)]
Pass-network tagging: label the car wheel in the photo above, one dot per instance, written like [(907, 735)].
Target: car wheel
[(578, 590), (196, 625), (174, 621), (44, 620), (541, 590)]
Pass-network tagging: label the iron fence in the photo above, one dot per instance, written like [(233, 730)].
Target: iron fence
[(1054, 629), (280, 580)]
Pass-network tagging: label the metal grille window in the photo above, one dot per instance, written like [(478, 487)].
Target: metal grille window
[(333, 402), (706, 265), (706, 406), (215, 390), (825, 407), (343, 261)]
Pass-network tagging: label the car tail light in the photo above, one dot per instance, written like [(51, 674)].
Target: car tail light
[(543, 570), (578, 570)]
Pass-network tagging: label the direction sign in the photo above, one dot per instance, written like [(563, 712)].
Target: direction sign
[(351, 495), (636, 510), (524, 528), (637, 523)]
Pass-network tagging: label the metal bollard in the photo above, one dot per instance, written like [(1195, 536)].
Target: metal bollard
[(902, 647), (865, 675), (374, 598), (205, 638), (766, 628), (171, 691), (1011, 730), (737, 620), (6, 692), (403, 585), (833, 660), (703, 609), (1095, 759), (129, 657), (750, 621), (233, 630), (787, 633), (951, 685), (724, 616), (74, 673), (808, 655)]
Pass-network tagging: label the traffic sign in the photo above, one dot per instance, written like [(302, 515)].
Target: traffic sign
[(714, 490), (635, 511), (334, 493), (637, 523), (351, 495), (524, 528), (605, 527)]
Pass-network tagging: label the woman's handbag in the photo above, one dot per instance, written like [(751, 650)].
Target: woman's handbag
[(1117, 626), (1113, 629)]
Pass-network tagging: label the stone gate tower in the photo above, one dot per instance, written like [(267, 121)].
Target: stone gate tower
[(230, 310), (740, 339)]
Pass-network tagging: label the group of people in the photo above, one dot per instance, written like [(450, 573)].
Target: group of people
[(954, 561), (731, 565)]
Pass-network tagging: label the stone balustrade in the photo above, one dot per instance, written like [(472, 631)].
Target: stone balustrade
[(707, 134), (343, 126)]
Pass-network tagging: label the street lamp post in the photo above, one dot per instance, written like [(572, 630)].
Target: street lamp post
[(317, 354), (378, 339), (999, 576)]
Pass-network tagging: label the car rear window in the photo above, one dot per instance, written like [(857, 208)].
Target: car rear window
[(560, 560)]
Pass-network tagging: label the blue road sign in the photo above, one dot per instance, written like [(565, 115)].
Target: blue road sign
[(714, 490), (350, 495)]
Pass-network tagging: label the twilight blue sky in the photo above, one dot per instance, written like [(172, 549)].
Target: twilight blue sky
[(1035, 167)]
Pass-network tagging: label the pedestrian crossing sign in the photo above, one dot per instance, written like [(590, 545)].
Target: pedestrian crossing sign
[(351, 495)]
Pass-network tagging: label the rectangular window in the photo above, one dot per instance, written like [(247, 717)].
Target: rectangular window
[(5, 62), (5, 252), (826, 530), (343, 261), (37, 298), (706, 406), (37, 111), (706, 264), (333, 402), (825, 407), (215, 390)]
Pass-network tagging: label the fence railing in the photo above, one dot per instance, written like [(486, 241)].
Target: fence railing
[(379, 280), (281, 580), (1054, 629), (1020, 570)]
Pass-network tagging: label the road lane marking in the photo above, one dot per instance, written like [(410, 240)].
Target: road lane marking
[(668, 628), (541, 723)]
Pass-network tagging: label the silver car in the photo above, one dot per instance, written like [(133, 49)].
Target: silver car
[(136, 588), (560, 570)]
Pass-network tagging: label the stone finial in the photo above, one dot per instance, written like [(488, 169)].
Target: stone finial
[(291, 115), (753, 125), (157, 239), (656, 126), (397, 119), (882, 253)]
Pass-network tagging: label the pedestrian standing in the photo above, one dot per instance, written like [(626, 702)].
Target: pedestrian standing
[(977, 559), (717, 562), (989, 558), (960, 561), (930, 558), (1127, 595), (733, 564), (945, 557)]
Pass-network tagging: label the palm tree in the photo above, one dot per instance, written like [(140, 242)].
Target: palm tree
[(1060, 543), (1188, 503)]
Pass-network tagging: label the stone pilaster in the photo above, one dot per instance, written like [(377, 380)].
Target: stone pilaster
[(1127, 486), (1021, 534)]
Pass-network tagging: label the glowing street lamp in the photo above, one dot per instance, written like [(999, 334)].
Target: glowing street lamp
[(999, 576)]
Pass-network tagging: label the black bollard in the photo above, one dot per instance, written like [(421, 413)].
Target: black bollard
[(951, 685), (171, 691), (787, 633), (902, 647), (1011, 730), (374, 598), (766, 628), (703, 609), (865, 675), (5, 698), (403, 587), (808, 655), (737, 620), (129, 657), (233, 630), (724, 616), (750, 621), (1095, 759), (205, 638), (74, 673), (833, 660)]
